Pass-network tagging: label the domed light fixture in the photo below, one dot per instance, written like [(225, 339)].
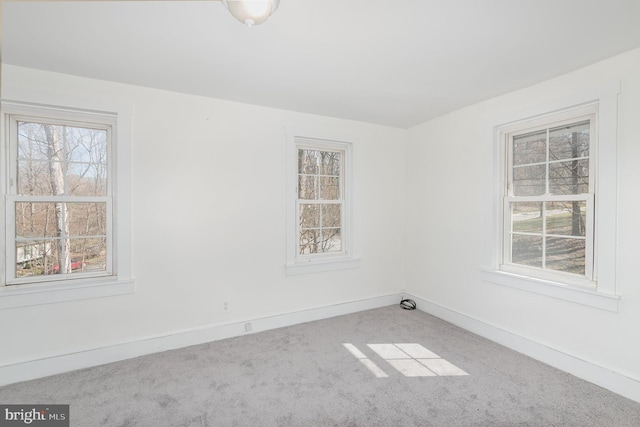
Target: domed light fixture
[(251, 12)]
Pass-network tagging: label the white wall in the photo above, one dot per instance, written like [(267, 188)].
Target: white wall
[(449, 166), (209, 221)]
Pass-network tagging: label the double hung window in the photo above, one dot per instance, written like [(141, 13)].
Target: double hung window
[(550, 196), (320, 232), (320, 202), (65, 205), (58, 204)]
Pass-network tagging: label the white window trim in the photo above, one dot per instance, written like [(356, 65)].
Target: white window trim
[(601, 292), (63, 106), (301, 264)]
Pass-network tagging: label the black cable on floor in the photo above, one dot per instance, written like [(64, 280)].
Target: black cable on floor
[(408, 304)]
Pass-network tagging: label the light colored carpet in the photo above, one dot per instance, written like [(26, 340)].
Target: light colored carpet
[(303, 375)]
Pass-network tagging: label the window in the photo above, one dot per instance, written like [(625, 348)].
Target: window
[(549, 198), (60, 206), (550, 223), (319, 225), (320, 203)]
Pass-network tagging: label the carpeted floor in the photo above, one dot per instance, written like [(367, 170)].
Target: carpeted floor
[(304, 375)]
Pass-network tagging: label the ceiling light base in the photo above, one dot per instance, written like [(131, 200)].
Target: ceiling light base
[(251, 12)]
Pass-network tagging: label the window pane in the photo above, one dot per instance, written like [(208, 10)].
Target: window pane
[(566, 218), (31, 258), (329, 188), (529, 180), (569, 177), (308, 161), (569, 142), (526, 217), (530, 148), (331, 240), (309, 241), (309, 216), (526, 250), (32, 142), (57, 159), (86, 180), (87, 219), (35, 220), (330, 163), (33, 178), (87, 146), (307, 187), (89, 254), (39, 256), (566, 255), (331, 215)]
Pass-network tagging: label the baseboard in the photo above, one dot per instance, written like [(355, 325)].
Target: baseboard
[(604, 377), (57, 364)]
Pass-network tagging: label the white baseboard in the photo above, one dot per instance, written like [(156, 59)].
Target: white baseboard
[(57, 364), (604, 377)]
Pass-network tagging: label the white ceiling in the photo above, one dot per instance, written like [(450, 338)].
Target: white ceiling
[(392, 62)]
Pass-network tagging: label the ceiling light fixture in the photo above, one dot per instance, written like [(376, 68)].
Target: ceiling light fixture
[(251, 12)]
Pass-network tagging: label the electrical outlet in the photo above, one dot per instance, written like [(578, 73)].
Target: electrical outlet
[(226, 306), (248, 327)]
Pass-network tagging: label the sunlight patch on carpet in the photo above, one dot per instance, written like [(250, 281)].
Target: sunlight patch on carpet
[(375, 370), (410, 359), (410, 368)]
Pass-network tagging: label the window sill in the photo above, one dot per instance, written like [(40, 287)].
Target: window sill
[(588, 297), (319, 265), (37, 294)]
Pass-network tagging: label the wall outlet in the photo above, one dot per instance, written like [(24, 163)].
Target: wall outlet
[(248, 327), (226, 306)]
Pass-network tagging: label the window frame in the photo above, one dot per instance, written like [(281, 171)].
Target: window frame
[(323, 146), (117, 279), (297, 263), (603, 293), (80, 120), (507, 134)]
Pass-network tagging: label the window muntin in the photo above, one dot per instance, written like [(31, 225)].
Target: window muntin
[(548, 206), (320, 200), (59, 207)]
